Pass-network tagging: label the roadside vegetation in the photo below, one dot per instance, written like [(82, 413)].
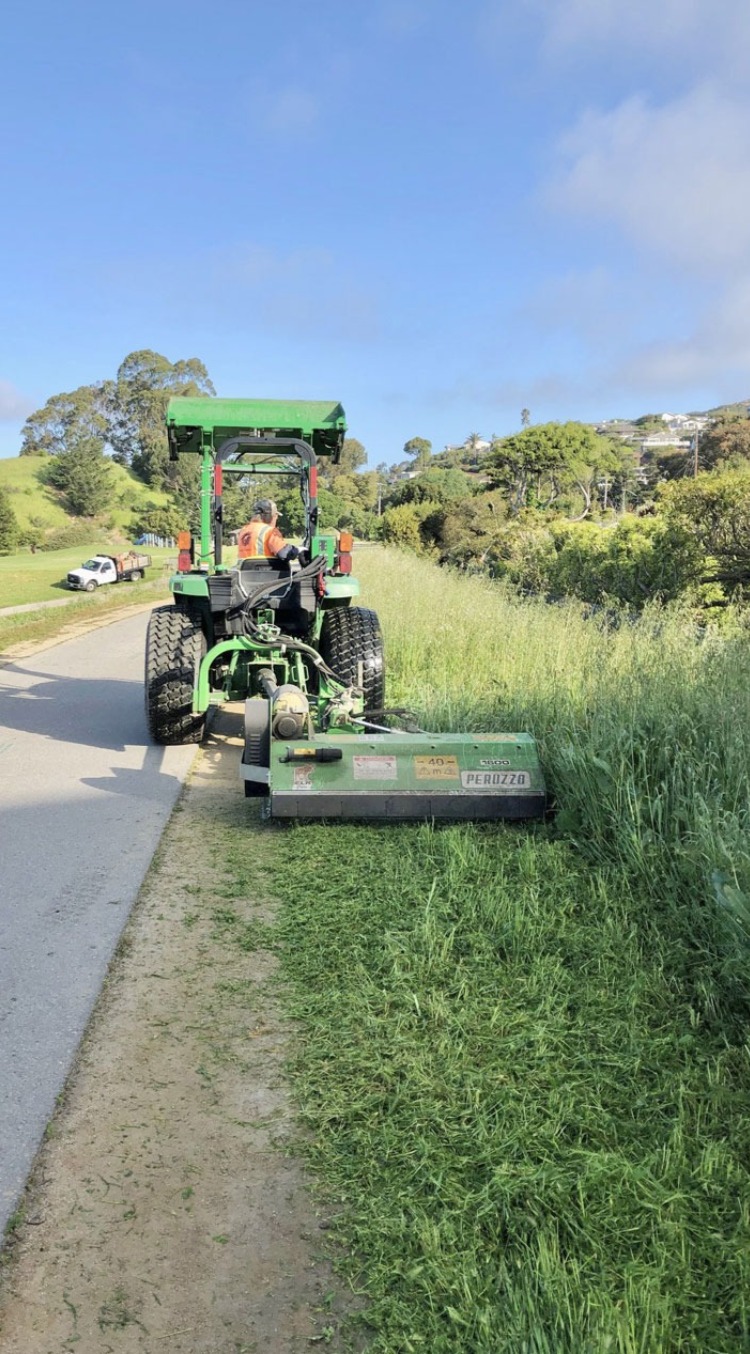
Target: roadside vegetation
[(554, 510), (522, 1052)]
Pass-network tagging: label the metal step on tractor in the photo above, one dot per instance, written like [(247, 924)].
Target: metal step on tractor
[(290, 640)]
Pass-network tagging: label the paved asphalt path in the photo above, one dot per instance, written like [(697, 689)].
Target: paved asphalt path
[(84, 798)]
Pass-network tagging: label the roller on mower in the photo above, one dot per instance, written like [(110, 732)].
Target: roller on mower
[(291, 641)]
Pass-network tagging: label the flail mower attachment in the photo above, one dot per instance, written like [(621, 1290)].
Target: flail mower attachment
[(393, 777)]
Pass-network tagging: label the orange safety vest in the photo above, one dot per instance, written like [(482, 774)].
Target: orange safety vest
[(259, 540)]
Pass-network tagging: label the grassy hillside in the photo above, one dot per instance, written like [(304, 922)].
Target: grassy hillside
[(522, 1059), (35, 503)]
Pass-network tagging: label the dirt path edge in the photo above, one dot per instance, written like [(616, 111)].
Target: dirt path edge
[(166, 1210)]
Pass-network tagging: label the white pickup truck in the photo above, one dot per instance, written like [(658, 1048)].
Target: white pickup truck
[(108, 569)]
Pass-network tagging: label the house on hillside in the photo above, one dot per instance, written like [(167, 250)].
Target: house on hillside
[(664, 442), (620, 428)]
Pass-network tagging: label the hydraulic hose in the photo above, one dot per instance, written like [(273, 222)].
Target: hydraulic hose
[(252, 598)]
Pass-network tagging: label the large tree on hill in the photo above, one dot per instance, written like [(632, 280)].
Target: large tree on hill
[(545, 461), (141, 391), (83, 475), (68, 418), (125, 416), (420, 451), (353, 455)]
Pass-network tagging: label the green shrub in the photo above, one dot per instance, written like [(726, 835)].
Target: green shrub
[(62, 538)]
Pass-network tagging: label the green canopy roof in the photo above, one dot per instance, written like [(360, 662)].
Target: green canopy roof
[(198, 423)]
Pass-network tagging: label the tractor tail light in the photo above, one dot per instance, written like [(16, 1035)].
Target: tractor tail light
[(185, 549), (344, 554)]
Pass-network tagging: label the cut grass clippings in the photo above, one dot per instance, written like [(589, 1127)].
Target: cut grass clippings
[(531, 1142), (522, 1056)]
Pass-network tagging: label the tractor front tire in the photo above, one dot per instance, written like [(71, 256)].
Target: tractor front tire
[(351, 643), (175, 645)]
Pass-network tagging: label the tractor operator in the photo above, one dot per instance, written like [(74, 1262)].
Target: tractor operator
[(261, 538)]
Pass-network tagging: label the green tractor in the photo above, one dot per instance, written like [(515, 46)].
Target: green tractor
[(290, 641)]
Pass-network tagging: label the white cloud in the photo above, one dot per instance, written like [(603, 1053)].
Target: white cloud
[(713, 35), (578, 301), (13, 405), (675, 178), (715, 352), (686, 37)]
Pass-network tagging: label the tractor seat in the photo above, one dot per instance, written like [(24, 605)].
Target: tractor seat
[(295, 606)]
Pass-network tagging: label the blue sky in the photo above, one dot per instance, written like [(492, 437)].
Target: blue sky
[(438, 213)]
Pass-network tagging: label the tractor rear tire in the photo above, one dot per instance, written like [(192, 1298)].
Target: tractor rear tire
[(351, 643), (175, 645)]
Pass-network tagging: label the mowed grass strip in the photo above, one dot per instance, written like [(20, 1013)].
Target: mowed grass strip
[(526, 1138), (522, 1055)]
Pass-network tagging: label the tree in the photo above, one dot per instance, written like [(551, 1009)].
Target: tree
[(433, 486), (82, 474), (9, 530), (715, 510), (725, 444), (353, 455), (525, 418), (137, 407), (544, 461), (401, 526), (420, 450), (71, 417), (158, 519), (472, 446)]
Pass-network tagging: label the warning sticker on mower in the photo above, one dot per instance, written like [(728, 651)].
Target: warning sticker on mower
[(375, 768), (436, 768), (502, 782), (302, 778)]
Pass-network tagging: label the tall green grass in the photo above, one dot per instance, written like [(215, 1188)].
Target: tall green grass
[(644, 732), (522, 1056)]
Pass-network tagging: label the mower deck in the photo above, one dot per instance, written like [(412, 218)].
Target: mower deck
[(405, 777)]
